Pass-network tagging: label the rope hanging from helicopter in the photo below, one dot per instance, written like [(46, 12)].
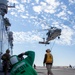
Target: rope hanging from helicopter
[(52, 33), (52, 45)]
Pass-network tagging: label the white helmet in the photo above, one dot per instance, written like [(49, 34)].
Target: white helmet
[(14, 59)]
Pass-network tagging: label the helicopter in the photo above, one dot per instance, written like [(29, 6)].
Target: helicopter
[(52, 33)]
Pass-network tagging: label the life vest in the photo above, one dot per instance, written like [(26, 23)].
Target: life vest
[(49, 58)]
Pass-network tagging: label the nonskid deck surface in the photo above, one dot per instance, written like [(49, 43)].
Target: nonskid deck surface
[(56, 71)]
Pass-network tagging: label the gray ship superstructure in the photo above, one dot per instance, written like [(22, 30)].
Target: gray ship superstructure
[(6, 36)]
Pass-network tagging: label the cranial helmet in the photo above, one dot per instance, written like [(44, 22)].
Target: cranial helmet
[(7, 51), (14, 59), (48, 50)]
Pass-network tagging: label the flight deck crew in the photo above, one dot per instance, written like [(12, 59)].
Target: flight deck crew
[(6, 61), (48, 60), (23, 66)]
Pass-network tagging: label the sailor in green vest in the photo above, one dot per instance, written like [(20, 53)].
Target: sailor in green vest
[(23, 66)]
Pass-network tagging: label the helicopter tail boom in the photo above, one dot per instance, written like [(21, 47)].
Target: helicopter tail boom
[(43, 42)]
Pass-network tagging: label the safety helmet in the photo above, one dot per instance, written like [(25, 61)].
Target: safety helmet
[(7, 51), (48, 50), (14, 59)]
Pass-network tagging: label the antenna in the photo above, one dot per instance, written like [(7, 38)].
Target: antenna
[(4, 7)]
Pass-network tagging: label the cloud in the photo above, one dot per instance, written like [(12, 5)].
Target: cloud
[(23, 1), (22, 37), (14, 14), (74, 27), (37, 9), (69, 12), (71, 1), (66, 37), (62, 15), (37, 1), (13, 1), (22, 16), (48, 6), (20, 8), (52, 11)]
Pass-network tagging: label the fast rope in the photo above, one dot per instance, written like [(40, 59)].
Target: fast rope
[(52, 45)]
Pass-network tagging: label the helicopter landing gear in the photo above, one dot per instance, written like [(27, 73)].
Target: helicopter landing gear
[(58, 37)]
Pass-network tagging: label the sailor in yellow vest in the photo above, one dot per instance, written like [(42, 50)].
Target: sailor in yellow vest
[(48, 60)]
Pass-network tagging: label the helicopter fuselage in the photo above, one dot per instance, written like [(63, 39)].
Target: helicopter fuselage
[(53, 34)]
